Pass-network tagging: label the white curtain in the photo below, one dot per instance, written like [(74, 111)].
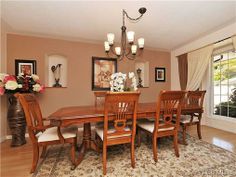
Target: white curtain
[(234, 42), (197, 64)]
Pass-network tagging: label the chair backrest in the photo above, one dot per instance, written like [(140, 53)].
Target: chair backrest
[(99, 98), (32, 112), (120, 106), (168, 108), (195, 98)]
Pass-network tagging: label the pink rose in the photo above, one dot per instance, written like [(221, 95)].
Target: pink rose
[(2, 90), (42, 88), (9, 78)]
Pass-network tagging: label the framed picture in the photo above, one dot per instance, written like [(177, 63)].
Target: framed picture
[(160, 74), (102, 69), (25, 66)]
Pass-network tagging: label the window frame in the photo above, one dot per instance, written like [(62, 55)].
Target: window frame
[(211, 75)]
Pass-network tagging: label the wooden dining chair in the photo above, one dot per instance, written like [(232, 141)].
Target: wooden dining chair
[(119, 106), (43, 135), (99, 101), (99, 97), (194, 100), (168, 105)]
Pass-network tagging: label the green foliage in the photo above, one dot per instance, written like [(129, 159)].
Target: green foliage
[(224, 107), (225, 69)]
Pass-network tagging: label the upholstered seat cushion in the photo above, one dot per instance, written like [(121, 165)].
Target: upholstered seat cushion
[(50, 134), (111, 129), (186, 119), (149, 126)]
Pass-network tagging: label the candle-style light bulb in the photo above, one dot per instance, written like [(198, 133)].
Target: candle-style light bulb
[(134, 49), (141, 43), (130, 36), (110, 38), (106, 46), (118, 51)]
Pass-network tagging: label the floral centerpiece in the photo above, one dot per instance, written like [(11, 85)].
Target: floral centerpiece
[(119, 82), (22, 83)]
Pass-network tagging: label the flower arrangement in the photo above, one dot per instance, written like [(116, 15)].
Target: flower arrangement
[(22, 83), (118, 82)]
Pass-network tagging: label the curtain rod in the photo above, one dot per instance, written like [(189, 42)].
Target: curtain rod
[(208, 44)]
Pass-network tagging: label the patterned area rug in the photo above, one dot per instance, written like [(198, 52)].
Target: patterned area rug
[(198, 158)]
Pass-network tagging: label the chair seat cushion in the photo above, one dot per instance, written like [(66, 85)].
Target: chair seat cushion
[(50, 134), (149, 126), (186, 119), (111, 129)]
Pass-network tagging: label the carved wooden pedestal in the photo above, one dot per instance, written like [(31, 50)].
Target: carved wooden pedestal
[(16, 121)]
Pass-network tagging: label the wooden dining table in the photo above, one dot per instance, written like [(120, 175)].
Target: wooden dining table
[(85, 115)]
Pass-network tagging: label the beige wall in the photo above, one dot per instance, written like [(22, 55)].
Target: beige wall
[(79, 57), (3, 107)]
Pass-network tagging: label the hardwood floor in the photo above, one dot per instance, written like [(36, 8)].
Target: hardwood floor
[(16, 162)]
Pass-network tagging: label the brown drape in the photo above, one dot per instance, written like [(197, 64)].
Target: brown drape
[(183, 70)]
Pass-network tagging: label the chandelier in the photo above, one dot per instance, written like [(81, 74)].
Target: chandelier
[(129, 51)]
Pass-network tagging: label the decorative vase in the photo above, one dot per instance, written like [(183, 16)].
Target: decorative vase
[(16, 121)]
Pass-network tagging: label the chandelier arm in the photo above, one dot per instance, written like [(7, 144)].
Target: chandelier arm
[(130, 57), (139, 52), (112, 50)]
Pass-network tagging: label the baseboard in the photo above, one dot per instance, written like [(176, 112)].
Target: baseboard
[(9, 137), (221, 124)]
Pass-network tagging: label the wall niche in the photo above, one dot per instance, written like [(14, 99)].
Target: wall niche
[(56, 71), (142, 73)]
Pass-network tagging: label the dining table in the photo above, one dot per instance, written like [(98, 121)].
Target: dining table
[(85, 115)]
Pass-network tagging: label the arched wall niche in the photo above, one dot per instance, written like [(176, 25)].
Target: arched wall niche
[(56, 70)]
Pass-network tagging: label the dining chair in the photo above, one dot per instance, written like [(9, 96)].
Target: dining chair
[(99, 101), (194, 100), (99, 98), (43, 135), (168, 106), (119, 106)]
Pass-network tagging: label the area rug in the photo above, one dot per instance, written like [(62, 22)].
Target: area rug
[(198, 158)]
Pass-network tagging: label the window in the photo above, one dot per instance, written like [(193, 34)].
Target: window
[(224, 84)]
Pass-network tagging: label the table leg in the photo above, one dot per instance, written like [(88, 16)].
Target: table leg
[(87, 144)]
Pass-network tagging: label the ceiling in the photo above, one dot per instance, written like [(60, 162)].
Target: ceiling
[(166, 25)]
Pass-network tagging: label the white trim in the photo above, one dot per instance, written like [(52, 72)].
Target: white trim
[(228, 126), (9, 137), (224, 118)]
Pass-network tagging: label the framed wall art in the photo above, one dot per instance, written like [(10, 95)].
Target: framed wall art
[(160, 74), (102, 69), (25, 66)]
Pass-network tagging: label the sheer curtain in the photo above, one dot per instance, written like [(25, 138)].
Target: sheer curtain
[(197, 64)]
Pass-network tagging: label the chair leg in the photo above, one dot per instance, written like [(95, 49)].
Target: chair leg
[(35, 158), (199, 130), (176, 145), (139, 136), (132, 154), (72, 152), (97, 142), (104, 160), (154, 144), (148, 138), (43, 154), (184, 134)]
